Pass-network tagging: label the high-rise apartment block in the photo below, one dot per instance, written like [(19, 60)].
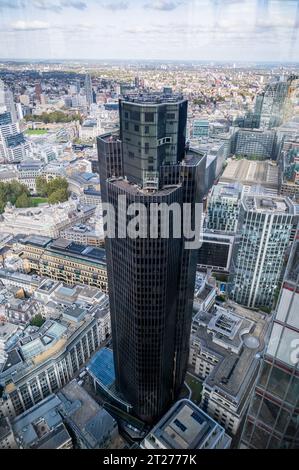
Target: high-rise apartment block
[(264, 233), (151, 280), (273, 418)]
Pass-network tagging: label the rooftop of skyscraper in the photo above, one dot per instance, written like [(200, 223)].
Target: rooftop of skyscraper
[(153, 98), (268, 204)]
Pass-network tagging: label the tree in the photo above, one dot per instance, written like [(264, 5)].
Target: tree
[(56, 184), (60, 195), (41, 186), (37, 320), (23, 201)]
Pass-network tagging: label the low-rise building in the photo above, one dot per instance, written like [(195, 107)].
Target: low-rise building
[(64, 260), (185, 426), (46, 220), (46, 358), (225, 346), (92, 426), (42, 427)]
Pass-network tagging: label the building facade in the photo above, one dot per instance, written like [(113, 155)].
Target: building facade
[(272, 419), (265, 231), (151, 280)]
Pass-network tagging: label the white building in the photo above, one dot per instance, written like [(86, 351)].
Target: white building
[(47, 220), (185, 426)]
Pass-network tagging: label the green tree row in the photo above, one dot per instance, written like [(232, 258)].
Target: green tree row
[(53, 117)]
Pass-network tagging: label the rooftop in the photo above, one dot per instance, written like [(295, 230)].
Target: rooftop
[(185, 426), (236, 336), (250, 173), (101, 366), (268, 204), (153, 98)]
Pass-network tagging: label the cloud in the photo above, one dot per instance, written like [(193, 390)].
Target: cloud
[(162, 5), (115, 5), (58, 5), (12, 4), (29, 25)]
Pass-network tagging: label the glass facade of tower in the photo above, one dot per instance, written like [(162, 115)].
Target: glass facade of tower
[(153, 132), (264, 233), (151, 280), (273, 417)]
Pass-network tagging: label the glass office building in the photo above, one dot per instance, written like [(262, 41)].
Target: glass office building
[(151, 280), (273, 418)]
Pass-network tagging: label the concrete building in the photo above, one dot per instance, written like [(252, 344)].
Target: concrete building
[(64, 260), (46, 358), (224, 347), (42, 427), (92, 426), (46, 220), (7, 438), (185, 426), (252, 173), (255, 143)]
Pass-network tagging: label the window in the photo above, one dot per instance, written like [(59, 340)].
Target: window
[(135, 115), (180, 425), (136, 128), (149, 117), (146, 129), (170, 116)]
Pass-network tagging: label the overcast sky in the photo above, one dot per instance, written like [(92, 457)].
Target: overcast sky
[(253, 30)]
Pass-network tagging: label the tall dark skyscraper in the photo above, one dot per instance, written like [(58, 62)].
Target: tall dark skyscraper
[(151, 280)]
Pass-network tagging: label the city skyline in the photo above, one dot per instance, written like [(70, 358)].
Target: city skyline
[(253, 30)]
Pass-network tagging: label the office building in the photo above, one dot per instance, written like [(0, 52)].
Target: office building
[(273, 420), (225, 345), (256, 144), (47, 220), (216, 251), (265, 231), (88, 90), (7, 101), (64, 260), (200, 129), (289, 164), (270, 104), (90, 424), (252, 173), (185, 426), (223, 207), (153, 132), (46, 358), (151, 294), (13, 146), (42, 427), (7, 438)]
